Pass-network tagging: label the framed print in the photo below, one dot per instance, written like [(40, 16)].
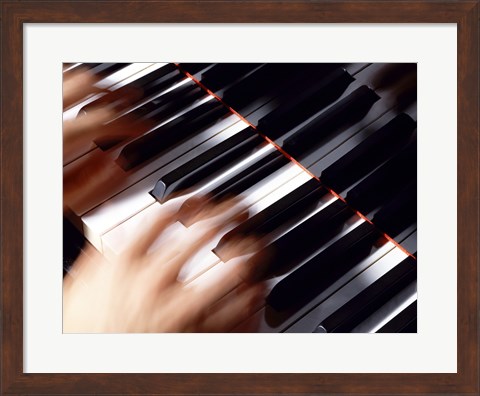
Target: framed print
[(436, 40)]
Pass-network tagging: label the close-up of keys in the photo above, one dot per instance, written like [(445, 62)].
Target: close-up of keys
[(322, 157)]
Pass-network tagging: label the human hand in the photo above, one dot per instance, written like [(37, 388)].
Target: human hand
[(81, 130), (139, 291), (92, 173)]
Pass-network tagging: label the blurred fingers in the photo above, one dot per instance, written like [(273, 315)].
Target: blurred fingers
[(84, 128), (76, 86), (240, 246), (86, 179), (122, 128), (119, 99), (142, 243), (208, 292), (230, 210)]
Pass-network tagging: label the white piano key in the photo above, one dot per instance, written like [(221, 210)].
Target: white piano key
[(123, 77), (116, 241), (212, 276), (116, 80), (262, 152), (113, 241), (196, 264), (267, 191), (285, 188), (137, 197), (127, 75), (112, 222), (129, 178), (270, 183), (71, 67), (359, 283), (389, 310), (260, 320), (323, 202), (155, 96), (204, 99)]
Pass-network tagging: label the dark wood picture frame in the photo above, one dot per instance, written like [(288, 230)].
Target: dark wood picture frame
[(463, 13)]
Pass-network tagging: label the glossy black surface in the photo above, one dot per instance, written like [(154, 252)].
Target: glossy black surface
[(170, 134), (341, 114), (372, 298), (207, 164), (322, 270)]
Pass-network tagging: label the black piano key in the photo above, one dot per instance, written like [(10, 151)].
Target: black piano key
[(341, 114), (169, 76), (249, 176), (174, 101), (195, 68), (369, 154), (322, 270), (99, 70), (245, 176), (147, 85), (157, 80), (390, 178), (400, 213), (79, 66), (295, 79), (304, 103), (224, 74), (409, 243), (410, 325), (299, 80), (166, 136), (404, 322), (205, 165), (364, 304), (292, 206), (106, 69), (304, 239), (264, 82), (151, 113)]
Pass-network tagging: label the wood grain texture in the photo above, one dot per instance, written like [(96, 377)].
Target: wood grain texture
[(15, 14)]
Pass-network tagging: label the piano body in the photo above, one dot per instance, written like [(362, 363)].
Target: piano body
[(323, 156)]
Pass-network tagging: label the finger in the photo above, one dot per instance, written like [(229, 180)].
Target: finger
[(241, 246), (87, 180), (173, 261), (77, 86), (85, 127), (260, 265), (122, 128), (212, 286), (191, 208), (258, 260), (232, 310), (200, 235), (141, 244), (120, 99), (228, 208)]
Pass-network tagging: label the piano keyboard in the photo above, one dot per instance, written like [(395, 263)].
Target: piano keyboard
[(322, 155)]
